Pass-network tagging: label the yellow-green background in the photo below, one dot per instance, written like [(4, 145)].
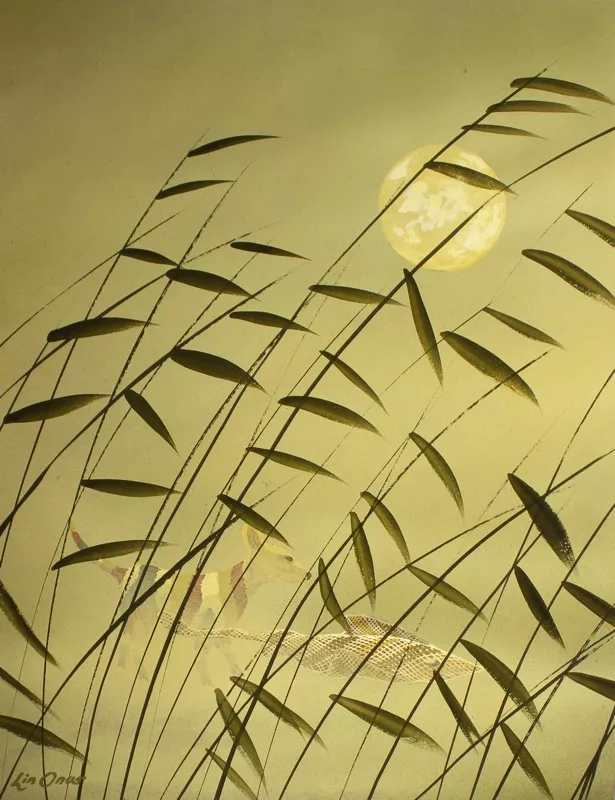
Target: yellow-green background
[(99, 102)]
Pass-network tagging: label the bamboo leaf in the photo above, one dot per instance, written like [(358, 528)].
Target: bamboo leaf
[(529, 331), (364, 558), (37, 735), (598, 226), (18, 621), (591, 601), (525, 760), (189, 186), (545, 519), (97, 326), (214, 366), (276, 707), (233, 724), (388, 522), (229, 141), (233, 775), (467, 175), (423, 325), (387, 722), (440, 467), (141, 407), (294, 462), (537, 605), (127, 488), (329, 410), (329, 599), (269, 320), (488, 363), (541, 106), (252, 518), (56, 407), (208, 281), (265, 250), (504, 130), (502, 675), (466, 726), (353, 376), (446, 591), (352, 295), (141, 254), (558, 86), (572, 274), (602, 686), (107, 550)]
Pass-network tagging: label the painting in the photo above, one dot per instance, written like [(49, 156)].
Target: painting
[(307, 382)]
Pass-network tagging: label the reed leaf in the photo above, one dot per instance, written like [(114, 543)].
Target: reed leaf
[(446, 591), (545, 519), (189, 186), (602, 686), (38, 735), (141, 254), (488, 363), (143, 409), (525, 760), (504, 130), (23, 690), (329, 410), (269, 320), (389, 523), (265, 250), (244, 742), (353, 376), (423, 326), (591, 601), (598, 226), (529, 331), (127, 488), (467, 175), (572, 274), (364, 558), (252, 518), (352, 295), (294, 462), (558, 86), (208, 281), (466, 726), (537, 605), (107, 550), (233, 776), (329, 599), (11, 610), (228, 141), (55, 407), (214, 366), (440, 467), (97, 326), (540, 106)]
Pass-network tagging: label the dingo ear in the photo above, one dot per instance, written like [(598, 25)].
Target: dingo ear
[(252, 538)]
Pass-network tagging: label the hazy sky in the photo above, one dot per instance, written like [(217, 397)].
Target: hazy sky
[(99, 103)]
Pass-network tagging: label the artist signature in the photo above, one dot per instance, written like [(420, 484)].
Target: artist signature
[(50, 778)]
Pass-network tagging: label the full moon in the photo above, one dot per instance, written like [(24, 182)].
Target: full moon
[(434, 205)]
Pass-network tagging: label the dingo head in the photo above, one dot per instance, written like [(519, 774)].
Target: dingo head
[(274, 561)]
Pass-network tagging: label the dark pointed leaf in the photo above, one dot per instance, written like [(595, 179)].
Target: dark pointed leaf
[(269, 320), (423, 325), (525, 760), (545, 519), (591, 601), (446, 591), (97, 326), (252, 518), (558, 86), (189, 186), (467, 175), (141, 254), (537, 605), (11, 610), (466, 726), (488, 363), (208, 281), (602, 686), (233, 725), (596, 225), (541, 106), (23, 690), (294, 462), (352, 295), (529, 331), (215, 366), (265, 250), (387, 722), (364, 558), (440, 467), (572, 274), (56, 407), (505, 130), (389, 523), (229, 141), (329, 598), (353, 376), (127, 488), (37, 735), (329, 410), (502, 675), (141, 407), (233, 775), (108, 550)]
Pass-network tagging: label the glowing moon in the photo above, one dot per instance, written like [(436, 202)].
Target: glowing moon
[(434, 205)]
